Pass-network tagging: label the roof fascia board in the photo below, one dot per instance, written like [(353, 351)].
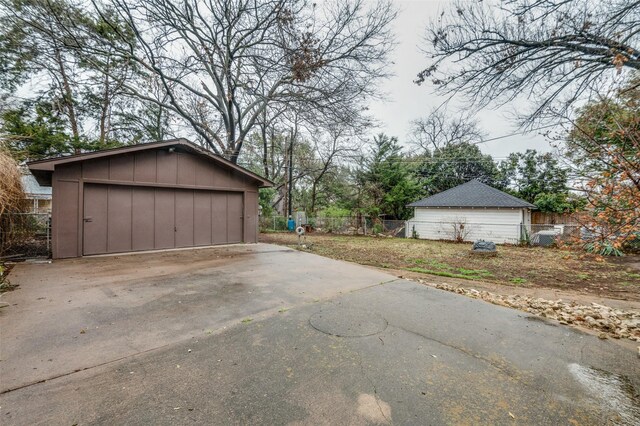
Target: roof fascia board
[(48, 165)]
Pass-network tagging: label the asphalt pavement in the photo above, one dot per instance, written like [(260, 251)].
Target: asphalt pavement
[(308, 340)]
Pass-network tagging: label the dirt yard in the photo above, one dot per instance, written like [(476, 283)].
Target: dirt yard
[(516, 269)]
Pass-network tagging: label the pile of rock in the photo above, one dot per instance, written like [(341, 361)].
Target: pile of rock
[(610, 322)]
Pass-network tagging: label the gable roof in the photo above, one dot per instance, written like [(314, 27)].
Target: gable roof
[(42, 169), (472, 194)]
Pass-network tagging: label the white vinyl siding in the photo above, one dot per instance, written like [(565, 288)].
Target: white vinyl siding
[(497, 225)]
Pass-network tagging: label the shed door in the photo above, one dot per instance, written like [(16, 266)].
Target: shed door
[(122, 218), (95, 219)]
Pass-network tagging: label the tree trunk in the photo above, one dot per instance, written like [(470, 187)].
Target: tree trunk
[(265, 151), (291, 173), (104, 112), (67, 96), (313, 196)]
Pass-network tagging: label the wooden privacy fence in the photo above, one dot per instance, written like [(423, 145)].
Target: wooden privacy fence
[(542, 218)]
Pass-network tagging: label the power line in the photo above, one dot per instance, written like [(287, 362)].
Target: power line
[(513, 134)]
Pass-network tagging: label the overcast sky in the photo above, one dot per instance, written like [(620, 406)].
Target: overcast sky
[(407, 101)]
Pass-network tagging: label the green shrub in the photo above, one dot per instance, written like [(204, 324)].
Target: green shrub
[(333, 211), (604, 248)]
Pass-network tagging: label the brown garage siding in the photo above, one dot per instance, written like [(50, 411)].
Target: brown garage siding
[(120, 218), (199, 192)]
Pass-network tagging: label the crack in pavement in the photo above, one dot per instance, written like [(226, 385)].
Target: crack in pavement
[(466, 352), (373, 385), (68, 373)]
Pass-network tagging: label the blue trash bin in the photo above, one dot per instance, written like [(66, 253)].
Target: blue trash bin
[(291, 225)]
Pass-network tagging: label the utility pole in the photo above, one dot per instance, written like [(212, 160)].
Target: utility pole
[(290, 186)]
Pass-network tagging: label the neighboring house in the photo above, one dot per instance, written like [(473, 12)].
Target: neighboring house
[(470, 212), (38, 197), (159, 195)]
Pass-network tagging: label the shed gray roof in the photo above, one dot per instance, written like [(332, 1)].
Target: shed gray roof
[(472, 194)]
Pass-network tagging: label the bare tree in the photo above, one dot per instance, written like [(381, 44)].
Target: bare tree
[(440, 129), (222, 63), (548, 51), (329, 151)]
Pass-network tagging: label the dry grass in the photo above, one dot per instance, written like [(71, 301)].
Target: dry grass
[(514, 266), (11, 193), (12, 196)]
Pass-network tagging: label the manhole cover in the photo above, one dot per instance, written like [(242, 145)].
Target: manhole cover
[(347, 322)]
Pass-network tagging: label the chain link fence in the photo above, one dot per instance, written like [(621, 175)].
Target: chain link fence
[(25, 235), (348, 225), (534, 234), (549, 234), (501, 233)]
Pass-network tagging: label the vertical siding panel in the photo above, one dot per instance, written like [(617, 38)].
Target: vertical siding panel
[(204, 173), (167, 167), (145, 167), (68, 172), (184, 218), (119, 217), (95, 231), (121, 167), (143, 219), (164, 218), (251, 217), (65, 220), (219, 217), (202, 225), (96, 169), (186, 169), (235, 217)]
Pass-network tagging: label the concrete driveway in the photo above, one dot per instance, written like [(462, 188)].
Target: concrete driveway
[(264, 334)]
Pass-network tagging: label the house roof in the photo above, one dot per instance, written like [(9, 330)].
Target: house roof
[(42, 169), (473, 194), (32, 188)]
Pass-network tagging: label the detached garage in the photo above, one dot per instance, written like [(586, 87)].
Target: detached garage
[(470, 212), (160, 195)]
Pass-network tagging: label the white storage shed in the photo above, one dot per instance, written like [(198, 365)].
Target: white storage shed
[(470, 212)]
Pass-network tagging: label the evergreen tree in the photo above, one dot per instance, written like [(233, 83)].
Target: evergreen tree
[(388, 181)]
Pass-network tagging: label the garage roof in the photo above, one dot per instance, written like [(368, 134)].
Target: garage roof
[(473, 194), (42, 169)]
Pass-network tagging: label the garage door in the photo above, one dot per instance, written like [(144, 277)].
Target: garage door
[(122, 218)]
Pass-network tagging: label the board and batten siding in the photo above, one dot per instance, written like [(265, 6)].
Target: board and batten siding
[(186, 178), (497, 225)]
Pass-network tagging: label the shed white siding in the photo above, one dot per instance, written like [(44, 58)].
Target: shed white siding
[(497, 225)]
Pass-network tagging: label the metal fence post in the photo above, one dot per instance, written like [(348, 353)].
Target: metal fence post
[(49, 235)]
